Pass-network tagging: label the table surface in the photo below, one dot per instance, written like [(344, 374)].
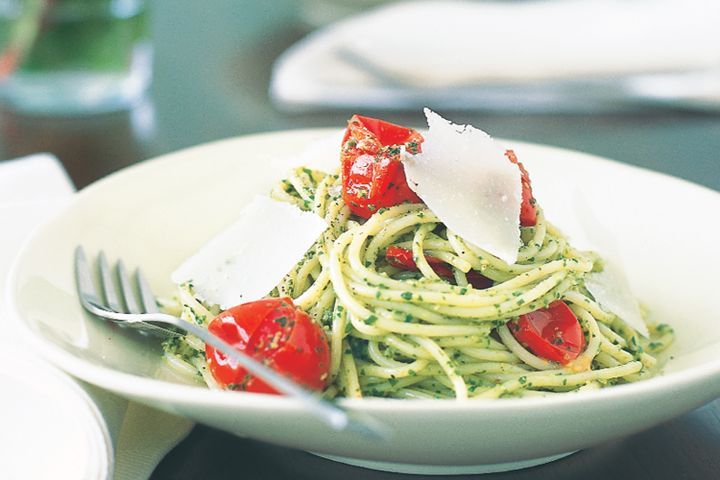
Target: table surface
[(212, 66)]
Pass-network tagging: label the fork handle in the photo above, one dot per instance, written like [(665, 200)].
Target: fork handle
[(331, 413)]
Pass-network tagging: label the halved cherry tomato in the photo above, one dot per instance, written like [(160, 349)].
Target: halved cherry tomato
[(403, 258), (275, 332), (528, 214), (373, 176), (553, 333)]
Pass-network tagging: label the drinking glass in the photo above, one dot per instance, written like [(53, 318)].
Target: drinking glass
[(74, 56)]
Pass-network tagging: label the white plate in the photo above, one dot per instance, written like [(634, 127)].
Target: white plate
[(41, 408), (157, 213), (44, 410)]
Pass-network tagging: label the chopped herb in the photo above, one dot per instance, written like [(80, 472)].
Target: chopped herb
[(326, 318)]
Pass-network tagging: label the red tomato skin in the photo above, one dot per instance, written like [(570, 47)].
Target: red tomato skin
[(387, 133), (553, 333), (277, 333), (403, 258), (528, 213), (373, 175), (400, 258)]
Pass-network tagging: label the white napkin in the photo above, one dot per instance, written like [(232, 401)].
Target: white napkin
[(465, 54), (54, 426)]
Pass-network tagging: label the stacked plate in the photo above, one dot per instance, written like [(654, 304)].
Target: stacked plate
[(51, 427)]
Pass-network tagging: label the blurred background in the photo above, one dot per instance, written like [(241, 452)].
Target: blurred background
[(220, 68), (104, 84)]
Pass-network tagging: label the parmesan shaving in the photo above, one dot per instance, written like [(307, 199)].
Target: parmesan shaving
[(465, 179), (612, 291), (248, 259)]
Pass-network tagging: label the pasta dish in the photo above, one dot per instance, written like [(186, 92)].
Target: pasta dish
[(393, 300)]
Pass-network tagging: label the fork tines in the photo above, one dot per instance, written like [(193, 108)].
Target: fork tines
[(118, 293)]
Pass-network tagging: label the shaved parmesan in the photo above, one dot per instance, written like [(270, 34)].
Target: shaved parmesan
[(465, 179), (247, 260), (611, 290)]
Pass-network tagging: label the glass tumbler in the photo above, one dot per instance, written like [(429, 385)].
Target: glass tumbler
[(72, 57)]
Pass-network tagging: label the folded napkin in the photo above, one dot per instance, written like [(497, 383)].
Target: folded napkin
[(465, 54), (54, 426)]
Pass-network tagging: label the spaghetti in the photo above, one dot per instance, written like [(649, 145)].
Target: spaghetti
[(413, 334)]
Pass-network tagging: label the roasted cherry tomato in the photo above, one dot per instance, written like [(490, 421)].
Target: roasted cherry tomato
[(552, 333), (403, 258), (372, 173), (528, 214), (278, 334)]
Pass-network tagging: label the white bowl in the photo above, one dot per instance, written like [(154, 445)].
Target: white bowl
[(157, 213)]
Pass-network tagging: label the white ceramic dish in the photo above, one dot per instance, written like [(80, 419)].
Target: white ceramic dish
[(157, 213), (44, 410)]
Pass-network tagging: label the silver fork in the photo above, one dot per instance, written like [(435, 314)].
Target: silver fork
[(144, 315)]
